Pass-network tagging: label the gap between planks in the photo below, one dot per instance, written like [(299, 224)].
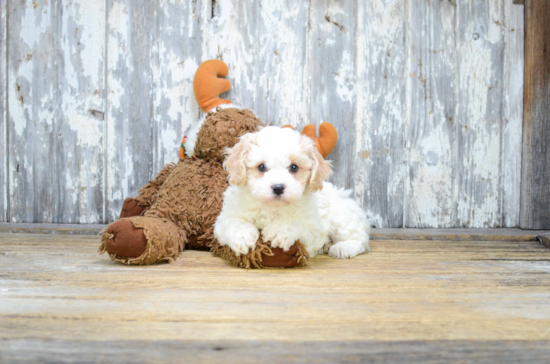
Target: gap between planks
[(375, 234)]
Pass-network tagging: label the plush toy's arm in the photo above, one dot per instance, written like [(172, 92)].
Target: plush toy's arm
[(148, 193)]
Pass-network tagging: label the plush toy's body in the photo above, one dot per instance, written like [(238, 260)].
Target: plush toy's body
[(179, 207)]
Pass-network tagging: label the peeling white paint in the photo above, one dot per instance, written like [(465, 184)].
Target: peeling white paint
[(34, 24), (410, 79)]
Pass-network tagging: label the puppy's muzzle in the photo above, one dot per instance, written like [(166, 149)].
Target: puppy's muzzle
[(278, 189)]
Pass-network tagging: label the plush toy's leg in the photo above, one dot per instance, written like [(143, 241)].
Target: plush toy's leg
[(143, 240)]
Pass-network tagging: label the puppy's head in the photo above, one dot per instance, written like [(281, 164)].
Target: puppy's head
[(277, 165)]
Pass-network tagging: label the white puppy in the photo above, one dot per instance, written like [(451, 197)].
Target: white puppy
[(276, 186)]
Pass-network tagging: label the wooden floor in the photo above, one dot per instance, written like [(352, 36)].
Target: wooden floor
[(406, 301)]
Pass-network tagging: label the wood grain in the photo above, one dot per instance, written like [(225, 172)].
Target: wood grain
[(131, 37), (479, 119), (512, 113), (379, 170), (535, 196), (426, 96), (431, 132), (33, 105), (3, 112), (237, 351), (81, 99), (55, 101), (406, 293), (516, 235)]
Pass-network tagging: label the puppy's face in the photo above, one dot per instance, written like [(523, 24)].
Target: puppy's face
[(277, 165)]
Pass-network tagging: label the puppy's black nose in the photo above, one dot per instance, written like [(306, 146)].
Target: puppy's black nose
[(278, 189)]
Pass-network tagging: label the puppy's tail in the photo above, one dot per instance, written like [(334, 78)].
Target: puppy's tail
[(208, 86)]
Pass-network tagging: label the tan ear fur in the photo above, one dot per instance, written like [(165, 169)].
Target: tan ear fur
[(319, 171), (235, 159)]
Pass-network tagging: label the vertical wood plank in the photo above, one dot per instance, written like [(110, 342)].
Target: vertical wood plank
[(177, 54), (3, 113), (332, 79), (479, 118), (512, 113), (33, 111), (430, 136), (229, 35), (280, 62), (131, 35), (377, 152), (264, 44), (535, 186), (80, 84)]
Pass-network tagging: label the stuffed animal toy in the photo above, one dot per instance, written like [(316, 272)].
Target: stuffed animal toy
[(179, 207)]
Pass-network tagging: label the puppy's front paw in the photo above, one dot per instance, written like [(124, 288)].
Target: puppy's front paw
[(279, 236), (346, 249), (243, 240)]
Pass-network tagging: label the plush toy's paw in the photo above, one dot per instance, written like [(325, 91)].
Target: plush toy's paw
[(126, 240), (283, 259), (131, 208), (346, 249), (279, 236), (243, 240), (264, 256)]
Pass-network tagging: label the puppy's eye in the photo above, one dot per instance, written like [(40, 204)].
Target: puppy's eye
[(262, 168), (294, 168)]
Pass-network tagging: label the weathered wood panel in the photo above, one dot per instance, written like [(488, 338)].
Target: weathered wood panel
[(479, 114), (403, 291), (332, 79), (55, 111), (177, 53), (33, 111), (3, 113), (377, 134), (535, 197), (512, 113), (432, 97), (131, 37), (426, 96), (80, 93)]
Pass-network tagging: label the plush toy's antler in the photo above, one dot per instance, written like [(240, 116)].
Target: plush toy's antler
[(326, 141), (208, 86)]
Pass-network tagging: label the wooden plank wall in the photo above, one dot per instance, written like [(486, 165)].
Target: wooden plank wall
[(535, 201), (426, 95)]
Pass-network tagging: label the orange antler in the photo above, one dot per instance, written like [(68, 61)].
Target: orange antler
[(328, 136), (326, 141), (208, 86)]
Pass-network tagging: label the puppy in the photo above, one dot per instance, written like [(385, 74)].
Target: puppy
[(276, 189)]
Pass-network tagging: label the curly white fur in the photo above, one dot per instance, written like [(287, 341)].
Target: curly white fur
[(322, 217)]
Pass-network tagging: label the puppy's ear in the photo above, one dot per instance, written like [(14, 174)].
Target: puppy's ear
[(319, 171), (235, 159)]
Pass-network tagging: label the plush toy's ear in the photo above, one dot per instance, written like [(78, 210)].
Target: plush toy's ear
[(320, 170), (235, 159), (208, 86), (326, 141)]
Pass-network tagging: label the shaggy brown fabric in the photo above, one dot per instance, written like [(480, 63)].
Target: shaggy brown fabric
[(263, 256), (192, 198), (164, 240), (130, 208), (222, 130), (148, 193)]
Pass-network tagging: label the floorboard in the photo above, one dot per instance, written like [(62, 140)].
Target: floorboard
[(407, 300)]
